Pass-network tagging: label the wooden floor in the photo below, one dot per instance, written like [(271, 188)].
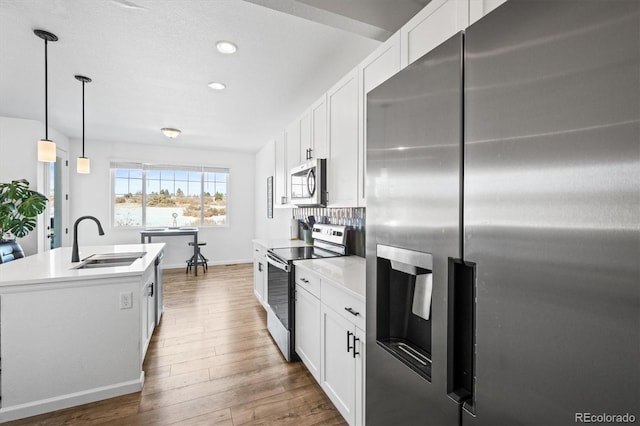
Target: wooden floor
[(211, 362)]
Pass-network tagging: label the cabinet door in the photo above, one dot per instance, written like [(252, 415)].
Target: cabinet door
[(319, 140), (307, 330), (293, 151), (151, 309), (293, 145), (281, 172), (258, 278), (479, 8), (381, 64), (338, 365), (306, 142), (147, 313), (343, 167), (360, 377), (439, 20), (144, 314)]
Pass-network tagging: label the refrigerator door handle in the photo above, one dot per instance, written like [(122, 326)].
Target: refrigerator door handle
[(461, 332)]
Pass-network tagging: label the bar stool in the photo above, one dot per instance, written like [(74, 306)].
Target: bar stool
[(197, 259)]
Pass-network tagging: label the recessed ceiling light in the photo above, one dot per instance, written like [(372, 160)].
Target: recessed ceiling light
[(226, 47), (217, 86)]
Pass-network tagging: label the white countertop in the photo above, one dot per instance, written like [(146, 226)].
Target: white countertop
[(55, 265), (279, 242), (347, 271)]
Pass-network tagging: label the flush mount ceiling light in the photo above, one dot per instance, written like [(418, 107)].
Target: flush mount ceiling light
[(83, 165), (46, 147), (226, 47), (170, 132), (217, 86)]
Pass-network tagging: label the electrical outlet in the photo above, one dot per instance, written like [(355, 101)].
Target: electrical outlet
[(126, 300)]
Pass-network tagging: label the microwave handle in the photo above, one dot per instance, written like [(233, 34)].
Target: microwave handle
[(311, 177)]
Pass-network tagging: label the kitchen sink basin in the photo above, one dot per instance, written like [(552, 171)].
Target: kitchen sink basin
[(109, 260)]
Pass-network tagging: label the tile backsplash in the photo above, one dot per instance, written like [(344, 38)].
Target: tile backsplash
[(354, 218)]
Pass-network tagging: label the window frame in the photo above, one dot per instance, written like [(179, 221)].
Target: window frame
[(145, 168)]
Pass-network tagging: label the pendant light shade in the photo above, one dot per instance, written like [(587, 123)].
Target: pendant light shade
[(46, 147), (46, 151), (83, 164)]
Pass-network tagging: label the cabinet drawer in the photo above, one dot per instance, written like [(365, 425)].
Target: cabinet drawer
[(259, 250), (308, 281), (347, 305)]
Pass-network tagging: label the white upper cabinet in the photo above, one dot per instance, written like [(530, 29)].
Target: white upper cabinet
[(293, 145), (281, 172), (319, 128), (293, 151), (334, 127), (439, 20), (479, 8), (306, 142), (381, 64), (343, 166)]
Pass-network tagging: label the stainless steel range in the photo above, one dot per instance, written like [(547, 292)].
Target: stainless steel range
[(328, 241)]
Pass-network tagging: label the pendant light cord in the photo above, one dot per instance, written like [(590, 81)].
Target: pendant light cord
[(46, 91), (82, 119)]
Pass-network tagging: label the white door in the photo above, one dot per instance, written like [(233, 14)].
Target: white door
[(55, 232)]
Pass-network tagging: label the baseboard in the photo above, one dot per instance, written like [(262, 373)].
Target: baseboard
[(210, 263), (70, 400)]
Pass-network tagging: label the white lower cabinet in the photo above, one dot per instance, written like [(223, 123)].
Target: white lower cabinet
[(260, 274), (342, 346), (307, 332), (330, 340), (148, 310)]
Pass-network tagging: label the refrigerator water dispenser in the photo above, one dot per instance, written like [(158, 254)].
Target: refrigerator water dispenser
[(404, 288)]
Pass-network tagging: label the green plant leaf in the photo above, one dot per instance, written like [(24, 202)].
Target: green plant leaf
[(19, 207)]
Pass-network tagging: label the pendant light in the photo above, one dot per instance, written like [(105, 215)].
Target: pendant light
[(46, 147), (83, 164)]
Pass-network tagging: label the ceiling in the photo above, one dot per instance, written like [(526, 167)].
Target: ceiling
[(151, 61)]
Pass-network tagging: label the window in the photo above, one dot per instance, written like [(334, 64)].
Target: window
[(146, 195)]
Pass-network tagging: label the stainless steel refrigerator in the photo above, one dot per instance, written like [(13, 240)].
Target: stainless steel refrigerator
[(503, 223)]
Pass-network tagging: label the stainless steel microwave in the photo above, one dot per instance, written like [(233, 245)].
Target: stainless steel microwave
[(309, 183)]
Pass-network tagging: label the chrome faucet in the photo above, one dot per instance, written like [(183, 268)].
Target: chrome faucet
[(75, 256)]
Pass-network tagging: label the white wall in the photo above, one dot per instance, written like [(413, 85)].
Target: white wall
[(278, 227), (91, 195), (18, 159)]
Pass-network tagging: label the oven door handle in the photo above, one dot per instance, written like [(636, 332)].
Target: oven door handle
[(277, 263)]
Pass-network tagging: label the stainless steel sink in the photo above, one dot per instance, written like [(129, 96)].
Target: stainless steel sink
[(109, 260)]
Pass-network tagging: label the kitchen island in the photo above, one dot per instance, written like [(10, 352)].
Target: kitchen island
[(72, 335)]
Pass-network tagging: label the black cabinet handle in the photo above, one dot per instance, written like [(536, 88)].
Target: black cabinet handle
[(304, 280), (355, 351), (151, 290), (349, 334), (352, 312)]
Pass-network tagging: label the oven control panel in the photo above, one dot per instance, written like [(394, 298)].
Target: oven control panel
[(336, 234)]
